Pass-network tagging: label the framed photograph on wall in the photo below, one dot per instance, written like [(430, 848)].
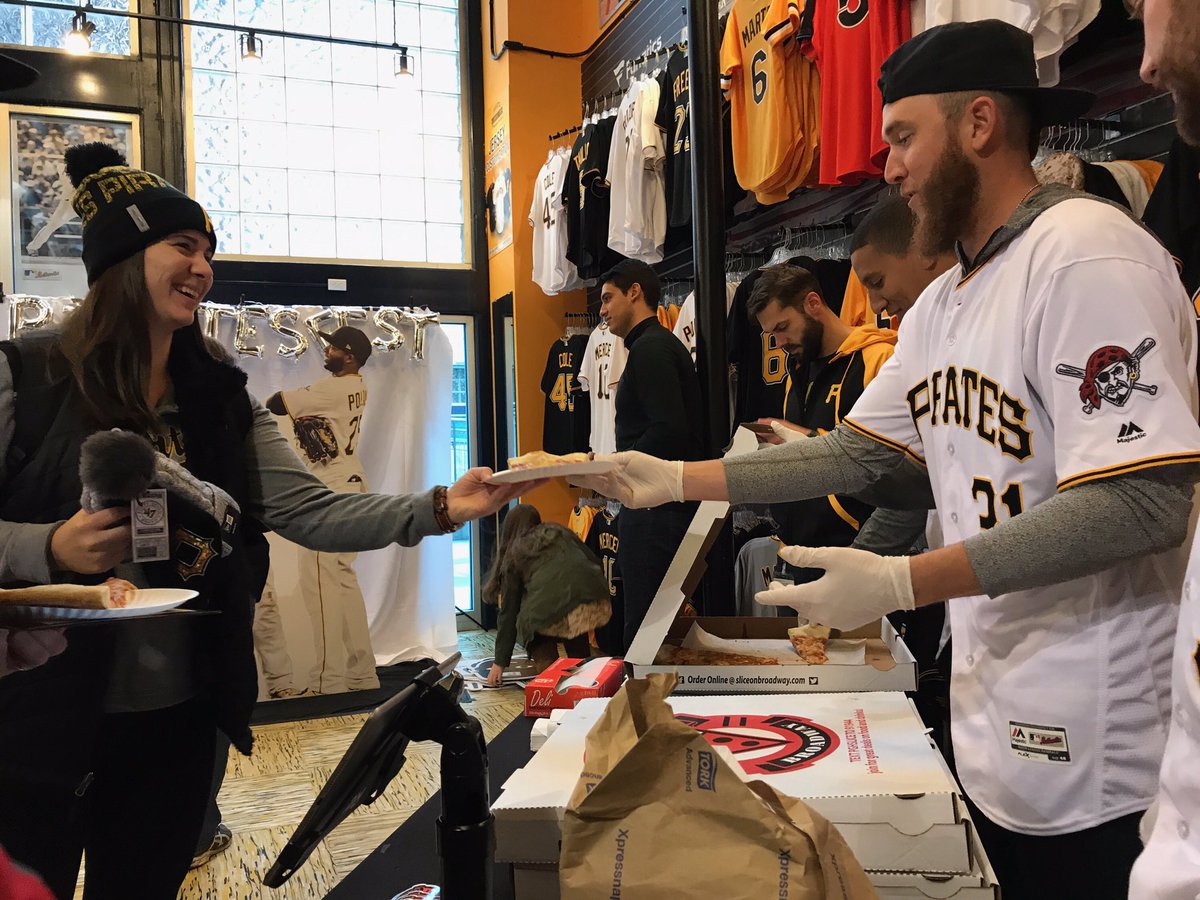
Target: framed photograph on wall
[(37, 139), (608, 8)]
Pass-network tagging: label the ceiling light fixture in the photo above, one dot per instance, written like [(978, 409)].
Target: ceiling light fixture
[(402, 67), (79, 39), (252, 47)]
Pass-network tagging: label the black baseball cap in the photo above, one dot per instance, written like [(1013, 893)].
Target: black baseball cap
[(988, 55), (15, 74), (350, 339)]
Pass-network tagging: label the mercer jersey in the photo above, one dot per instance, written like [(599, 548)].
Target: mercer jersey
[(773, 92), (603, 362), (1009, 387), (339, 402)]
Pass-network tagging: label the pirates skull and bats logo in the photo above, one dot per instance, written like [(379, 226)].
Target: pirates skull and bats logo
[(1112, 374)]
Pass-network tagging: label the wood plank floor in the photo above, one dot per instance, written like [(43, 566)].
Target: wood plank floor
[(265, 796)]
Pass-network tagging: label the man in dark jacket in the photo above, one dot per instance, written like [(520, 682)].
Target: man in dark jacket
[(658, 412)]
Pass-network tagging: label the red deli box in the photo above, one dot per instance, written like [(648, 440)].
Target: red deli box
[(568, 681)]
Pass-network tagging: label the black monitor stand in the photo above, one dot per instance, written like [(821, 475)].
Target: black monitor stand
[(426, 710)]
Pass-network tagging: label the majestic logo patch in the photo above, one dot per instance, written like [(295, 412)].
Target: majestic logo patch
[(1130, 432), (1112, 374), (767, 745)]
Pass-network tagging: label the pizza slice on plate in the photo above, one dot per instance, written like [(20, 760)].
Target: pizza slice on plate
[(113, 593), (809, 642), (536, 459)]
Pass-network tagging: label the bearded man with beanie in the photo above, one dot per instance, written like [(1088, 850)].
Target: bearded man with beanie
[(108, 747)]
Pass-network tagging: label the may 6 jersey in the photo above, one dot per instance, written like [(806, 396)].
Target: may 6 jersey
[(1065, 358), (336, 406), (773, 93)]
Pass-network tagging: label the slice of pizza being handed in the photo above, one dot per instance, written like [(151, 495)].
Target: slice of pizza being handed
[(536, 459), (114, 593), (809, 642)]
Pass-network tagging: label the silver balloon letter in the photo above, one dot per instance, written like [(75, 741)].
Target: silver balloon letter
[(387, 318), (278, 314), (247, 330)]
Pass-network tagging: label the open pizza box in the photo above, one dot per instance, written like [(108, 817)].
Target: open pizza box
[(882, 663), (861, 760)]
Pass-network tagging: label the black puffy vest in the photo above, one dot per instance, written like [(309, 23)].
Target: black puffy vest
[(49, 716)]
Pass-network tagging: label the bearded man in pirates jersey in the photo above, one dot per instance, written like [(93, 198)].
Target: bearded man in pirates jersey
[(1062, 515), (327, 419)]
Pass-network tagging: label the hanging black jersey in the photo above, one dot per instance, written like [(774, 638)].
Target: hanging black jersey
[(759, 364), (567, 410), (575, 199), (603, 541), (674, 119), (594, 180), (1173, 213)]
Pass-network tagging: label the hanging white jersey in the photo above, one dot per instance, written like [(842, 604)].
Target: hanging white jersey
[(544, 215), (637, 224), (1010, 387), (564, 275), (327, 418), (1054, 24), (685, 325), (603, 363)]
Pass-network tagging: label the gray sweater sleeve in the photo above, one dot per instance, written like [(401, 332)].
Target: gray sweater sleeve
[(1085, 530), (892, 532), (287, 498), (24, 548), (1078, 532), (840, 462)]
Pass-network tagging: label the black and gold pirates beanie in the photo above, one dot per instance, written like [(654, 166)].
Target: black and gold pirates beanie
[(124, 209)]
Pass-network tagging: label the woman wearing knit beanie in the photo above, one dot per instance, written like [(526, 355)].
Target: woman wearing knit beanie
[(109, 746)]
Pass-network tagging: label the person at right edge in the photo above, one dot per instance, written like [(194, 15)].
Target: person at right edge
[(1169, 869), (1045, 388), (658, 412)]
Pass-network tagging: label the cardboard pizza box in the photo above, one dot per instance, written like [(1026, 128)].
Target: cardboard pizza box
[(861, 760), (889, 665)]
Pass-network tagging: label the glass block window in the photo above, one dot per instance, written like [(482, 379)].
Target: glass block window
[(36, 27), (319, 150)]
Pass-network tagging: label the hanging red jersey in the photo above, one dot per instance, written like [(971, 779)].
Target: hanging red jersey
[(850, 41)]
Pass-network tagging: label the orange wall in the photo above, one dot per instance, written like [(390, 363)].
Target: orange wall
[(542, 96)]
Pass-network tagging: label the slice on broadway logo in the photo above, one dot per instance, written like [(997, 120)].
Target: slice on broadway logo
[(1129, 432), (767, 745)]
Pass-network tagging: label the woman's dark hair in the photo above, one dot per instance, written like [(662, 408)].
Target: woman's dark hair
[(106, 346), (517, 524)]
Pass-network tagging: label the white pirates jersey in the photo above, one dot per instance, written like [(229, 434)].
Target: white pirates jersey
[(339, 401), (548, 219), (603, 363), (1067, 357), (1169, 868), (637, 224), (685, 325)]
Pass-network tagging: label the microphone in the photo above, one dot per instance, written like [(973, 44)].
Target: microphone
[(115, 468)]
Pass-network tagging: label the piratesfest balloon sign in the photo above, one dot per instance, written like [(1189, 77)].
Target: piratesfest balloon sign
[(259, 328)]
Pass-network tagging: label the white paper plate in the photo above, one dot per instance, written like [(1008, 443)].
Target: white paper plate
[(513, 476), (144, 603)]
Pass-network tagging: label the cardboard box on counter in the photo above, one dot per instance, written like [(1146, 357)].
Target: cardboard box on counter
[(567, 681), (889, 665), (861, 760)]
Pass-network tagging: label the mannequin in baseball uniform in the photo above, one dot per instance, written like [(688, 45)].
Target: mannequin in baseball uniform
[(327, 418), (1045, 389), (1169, 869)]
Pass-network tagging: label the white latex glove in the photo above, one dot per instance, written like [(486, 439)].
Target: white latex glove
[(787, 435), (639, 480), (858, 587)]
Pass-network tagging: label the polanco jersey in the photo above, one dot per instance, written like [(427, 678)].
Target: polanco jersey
[(1010, 387), (336, 406)]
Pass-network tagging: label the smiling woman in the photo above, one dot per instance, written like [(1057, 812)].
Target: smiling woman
[(133, 711)]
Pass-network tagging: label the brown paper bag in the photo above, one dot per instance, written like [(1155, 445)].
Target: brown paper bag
[(658, 813)]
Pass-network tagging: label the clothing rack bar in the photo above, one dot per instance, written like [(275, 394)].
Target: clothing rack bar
[(562, 134)]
